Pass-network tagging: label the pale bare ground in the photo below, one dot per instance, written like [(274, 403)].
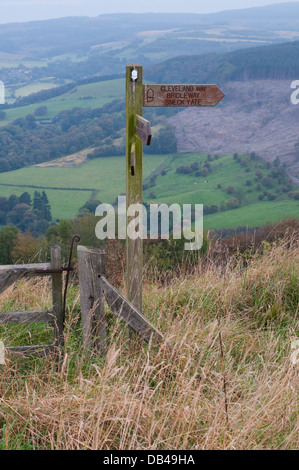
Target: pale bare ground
[(225, 39), (155, 32), (76, 159), (171, 397), (253, 116)]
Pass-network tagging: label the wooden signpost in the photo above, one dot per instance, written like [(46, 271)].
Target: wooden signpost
[(134, 93), (138, 131), (181, 95)]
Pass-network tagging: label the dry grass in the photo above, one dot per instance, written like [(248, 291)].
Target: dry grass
[(153, 399)]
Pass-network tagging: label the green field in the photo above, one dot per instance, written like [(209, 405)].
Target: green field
[(91, 95), (107, 176), (211, 190), (64, 204), (34, 88), (253, 215)]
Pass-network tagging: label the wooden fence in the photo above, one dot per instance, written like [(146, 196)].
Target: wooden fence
[(9, 274), (94, 289)]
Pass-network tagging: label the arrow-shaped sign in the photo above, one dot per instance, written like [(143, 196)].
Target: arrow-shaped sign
[(181, 95), (143, 129)]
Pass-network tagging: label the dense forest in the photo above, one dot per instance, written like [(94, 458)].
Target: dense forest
[(276, 62), (26, 142), (25, 214)]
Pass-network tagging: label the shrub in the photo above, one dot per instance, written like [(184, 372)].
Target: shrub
[(230, 189), (232, 203)]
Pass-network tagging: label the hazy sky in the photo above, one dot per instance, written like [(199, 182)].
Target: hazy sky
[(26, 10)]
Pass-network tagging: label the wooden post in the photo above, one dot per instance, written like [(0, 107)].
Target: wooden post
[(134, 105), (91, 265), (57, 296)]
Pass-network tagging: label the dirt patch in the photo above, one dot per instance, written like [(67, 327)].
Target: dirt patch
[(76, 159), (254, 116)]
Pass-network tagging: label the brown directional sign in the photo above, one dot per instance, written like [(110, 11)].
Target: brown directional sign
[(181, 95), (143, 129)]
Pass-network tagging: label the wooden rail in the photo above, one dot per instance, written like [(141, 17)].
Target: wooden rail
[(9, 274), (130, 314), (26, 317)]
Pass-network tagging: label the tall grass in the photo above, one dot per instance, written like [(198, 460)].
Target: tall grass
[(171, 397)]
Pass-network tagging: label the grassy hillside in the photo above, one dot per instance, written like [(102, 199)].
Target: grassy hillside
[(171, 397), (104, 175), (226, 179), (253, 215), (92, 95), (104, 179)]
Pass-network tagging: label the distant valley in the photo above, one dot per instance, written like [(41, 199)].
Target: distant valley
[(62, 128)]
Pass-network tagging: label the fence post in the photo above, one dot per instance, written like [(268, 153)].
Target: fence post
[(91, 265), (57, 296)]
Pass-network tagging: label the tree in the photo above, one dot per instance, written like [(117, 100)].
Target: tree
[(85, 228), (294, 195), (165, 142), (46, 207), (268, 182), (30, 122), (13, 200), (258, 175), (4, 165), (37, 201), (4, 206), (41, 206), (25, 198), (41, 111), (16, 215), (91, 205), (25, 248), (230, 189), (276, 162), (8, 237), (232, 203), (2, 218), (205, 171)]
